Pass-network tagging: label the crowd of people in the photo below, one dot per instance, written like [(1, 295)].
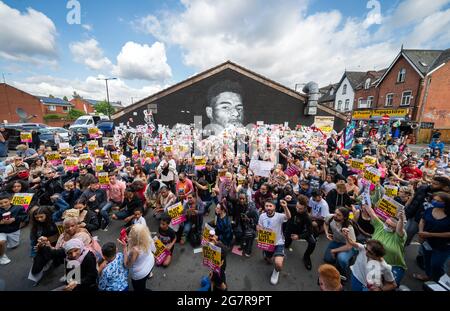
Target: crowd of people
[(311, 192)]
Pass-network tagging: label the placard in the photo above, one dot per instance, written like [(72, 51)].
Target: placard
[(266, 240), (205, 234), (357, 164), (23, 199), (388, 207), (93, 132), (371, 161), (212, 256), (391, 191), (64, 148), (372, 174), (345, 152), (161, 252), (100, 152), (98, 165), (103, 179), (53, 157), (85, 159), (92, 144), (200, 163), (71, 164), (26, 137), (261, 168), (115, 157), (175, 212), (168, 148)]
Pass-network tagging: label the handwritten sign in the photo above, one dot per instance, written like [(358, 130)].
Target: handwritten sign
[(64, 148), (372, 174), (212, 256), (99, 152), (26, 137), (391, 191), (71, 164), (93, 132), (161, 252), (357, 164), (205, 233), (266, 240), (103, 179), (23, 199), (371, 161), (176, 214), (388, 207), (53, 157)]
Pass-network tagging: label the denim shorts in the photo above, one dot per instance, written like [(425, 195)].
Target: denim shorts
[(278, 252)]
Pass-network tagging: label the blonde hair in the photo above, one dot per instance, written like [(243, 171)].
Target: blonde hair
[(140, 238)]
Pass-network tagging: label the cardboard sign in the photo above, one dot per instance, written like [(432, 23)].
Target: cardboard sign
[(266, 240), (261, 168), (92, 144), (372, 174), (205, 234), (176, 213), (99, 152), (371, 161), (161, 252), (53, 157), (212, 256), (391, 191), (85, 159), (64, 148), (103, 179), (23, 199), (388, 207), (200, 163), (26, 137), (357, 164), (93, 132), (71, 164)]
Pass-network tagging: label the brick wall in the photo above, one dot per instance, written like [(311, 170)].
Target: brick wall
[(436, 98), (59, 110), (12, 98), (79, 104), (390, 85), (372, 91)]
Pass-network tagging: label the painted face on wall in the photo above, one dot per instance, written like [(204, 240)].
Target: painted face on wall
[(226, 109)]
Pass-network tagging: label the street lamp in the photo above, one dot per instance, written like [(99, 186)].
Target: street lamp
[(107, 93)]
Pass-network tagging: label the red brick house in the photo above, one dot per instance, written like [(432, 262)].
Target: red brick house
[(53, 105), (366, 92), (82, 105), (12, 99)]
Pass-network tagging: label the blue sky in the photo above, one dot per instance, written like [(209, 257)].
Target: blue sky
[(149, 45)]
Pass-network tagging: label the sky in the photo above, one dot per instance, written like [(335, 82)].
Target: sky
[(46, 47)]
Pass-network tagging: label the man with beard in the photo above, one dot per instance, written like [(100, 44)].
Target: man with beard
[(273, 221), (225, 107), (261, 196), (85, 178)]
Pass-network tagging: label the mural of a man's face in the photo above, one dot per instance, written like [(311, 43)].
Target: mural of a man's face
[(227, 108)]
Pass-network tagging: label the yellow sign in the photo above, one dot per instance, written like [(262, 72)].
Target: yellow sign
[(135, 154), (388, 207), (161, 251), (85, 158), (23, 199), (325, 124), (103, 179), (357, 164), (99, 165), (93, 132), (92, 144), (212, 256), (115, 157), (372, 174), (205, 234), (345, 152), (71, 162), (366, 114), (266, 240), (64, 147), (391, 191), (200, 161), (168, 148), (99, 152), (370, 160), (25, 137), (175, 212), (149, 154), (52, 156)]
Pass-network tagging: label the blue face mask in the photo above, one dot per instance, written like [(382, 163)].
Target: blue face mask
[(437, 204)]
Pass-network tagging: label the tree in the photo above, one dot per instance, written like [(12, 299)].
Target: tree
[(104, 107), (51, 96), (74, 114), (65, 98), (75, 95)]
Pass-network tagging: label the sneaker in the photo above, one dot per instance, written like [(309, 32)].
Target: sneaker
[(247, 255), (274, 277), (4, 260), (105, 229)]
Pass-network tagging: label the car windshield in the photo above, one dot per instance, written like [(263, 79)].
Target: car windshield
[(80, 121)]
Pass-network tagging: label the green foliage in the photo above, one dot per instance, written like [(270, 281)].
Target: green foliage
[(74, 114), (65, 98), (105, 108), (52, 117)]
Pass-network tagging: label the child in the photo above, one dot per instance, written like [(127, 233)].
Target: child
[(10, 219), (112, 271), (138, 218), (168, 237)]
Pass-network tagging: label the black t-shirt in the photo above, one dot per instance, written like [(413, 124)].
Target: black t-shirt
[(167, 236)]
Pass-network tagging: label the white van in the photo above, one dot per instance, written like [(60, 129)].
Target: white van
[(87, 121)]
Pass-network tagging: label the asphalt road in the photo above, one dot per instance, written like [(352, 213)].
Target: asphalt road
[(186, 270)]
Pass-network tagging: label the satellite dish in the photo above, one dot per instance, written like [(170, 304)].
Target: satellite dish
[(23, 115)]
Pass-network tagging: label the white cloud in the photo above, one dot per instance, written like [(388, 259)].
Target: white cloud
[(144, 62), (90, 88), (87, 27), (28, 36), (286, 44), (89, 53)]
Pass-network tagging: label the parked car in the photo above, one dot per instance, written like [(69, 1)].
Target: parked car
[(107, 127), (47, 136), (45, 133), (87, 121), (62, 132)]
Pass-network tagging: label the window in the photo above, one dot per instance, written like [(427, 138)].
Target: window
[(52, 108), (344, 89), (347, 104), (369, 101), (367, 84), (401, 75), (339, 106), (331, 91), (360, 102), (406, 98), (66, 108), (389, 100)]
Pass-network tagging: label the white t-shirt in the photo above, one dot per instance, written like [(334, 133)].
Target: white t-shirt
[(140, 221), (274, 223), (370, 271), (327, 187), (319, 209), (143, 264)]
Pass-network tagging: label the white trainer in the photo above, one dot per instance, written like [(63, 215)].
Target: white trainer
[(274, 277), (4, 260)]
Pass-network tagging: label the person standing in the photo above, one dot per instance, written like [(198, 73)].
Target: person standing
[(3, 143), (273, 221)]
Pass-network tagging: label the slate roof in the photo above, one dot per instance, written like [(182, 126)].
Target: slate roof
[(422, 59), (443, 58)]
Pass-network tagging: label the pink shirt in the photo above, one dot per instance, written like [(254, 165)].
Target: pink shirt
[(116, 191)]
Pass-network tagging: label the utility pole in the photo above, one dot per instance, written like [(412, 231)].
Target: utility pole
[(107, 93)]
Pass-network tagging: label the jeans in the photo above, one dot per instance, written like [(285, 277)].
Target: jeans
[(412, 227), (357, 286), (342, 258), (434, 262), (398, 273), (104, 212)]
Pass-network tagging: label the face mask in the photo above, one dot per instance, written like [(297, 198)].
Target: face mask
[(437, 204), (387, 228)]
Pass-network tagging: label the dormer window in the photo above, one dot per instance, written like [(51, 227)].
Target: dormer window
[(367, 84)]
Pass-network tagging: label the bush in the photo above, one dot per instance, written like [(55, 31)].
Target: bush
[(74, 114), (53, 117)]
